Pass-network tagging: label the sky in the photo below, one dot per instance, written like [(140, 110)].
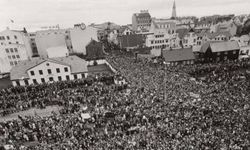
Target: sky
[(34, 14)]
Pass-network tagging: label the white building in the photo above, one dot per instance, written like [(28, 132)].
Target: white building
[(42, 70), (14, 47), (52, 39), (81, 37), (162, 36)]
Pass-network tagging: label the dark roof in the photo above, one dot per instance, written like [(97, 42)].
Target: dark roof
[(213, 35), (103, 68), (178, 55), (144, 50), (132, 40), (220, 46), (94, 50)]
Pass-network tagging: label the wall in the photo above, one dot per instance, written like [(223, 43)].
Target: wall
[(80, 38)]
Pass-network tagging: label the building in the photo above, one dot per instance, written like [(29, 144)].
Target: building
[(56, 39), (188, 38), (243, 40), (141, 21), (219, 51), (80, 38), (132, 41), (174, 15), (42, 70), (14, 47), (220, 36), (94, 50), (226, 26), (178, 57)]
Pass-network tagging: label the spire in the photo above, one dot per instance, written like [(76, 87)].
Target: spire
[(174, 12)]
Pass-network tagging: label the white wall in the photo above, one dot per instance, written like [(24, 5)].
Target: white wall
[(80, 38), (48, 39), (59, 51)]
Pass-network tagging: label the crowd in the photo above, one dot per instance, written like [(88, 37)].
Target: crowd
[(159, 108)]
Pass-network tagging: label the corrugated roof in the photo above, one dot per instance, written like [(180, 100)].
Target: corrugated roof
[(178, 55), (19, 71), (220, 46), (224, 46)]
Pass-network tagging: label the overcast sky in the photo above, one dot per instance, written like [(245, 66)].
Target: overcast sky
[(37, 13)]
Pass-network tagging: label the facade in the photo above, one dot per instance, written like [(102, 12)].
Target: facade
[(14, 47), (227, 26), (52, 39), (32, 37), (179, 57), (141, 20), (243, 40), (43, 70), (80, 38), (219, 51)]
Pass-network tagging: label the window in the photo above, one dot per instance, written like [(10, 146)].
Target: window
[(17, 42), (11, 63), (32, 73), (59, 78), (17, 56), (152, 42), (17, 83), (26, 82), (8, 37), (49, 71), (75, 76), (9, 42), (67, 77), (66, 69), (7, 50), (15, 49), (51, 79), (83, 75), (13, 56), (40, 72), (9, 57), (15, 36), (166, 41), (11, 50), (226, 53), (34, 81), (58, 70), (15, 62), (42, 80), (234, 52)]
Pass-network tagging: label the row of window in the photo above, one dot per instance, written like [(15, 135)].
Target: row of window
[(14, 57), (51, 79), (12, 50), (13, 63), (225, 53), (159, 36), (49, 71), (7, 37)]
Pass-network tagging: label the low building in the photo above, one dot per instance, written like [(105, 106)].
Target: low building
[(179, 57), (42, 70), (132, 41), (219, 51)]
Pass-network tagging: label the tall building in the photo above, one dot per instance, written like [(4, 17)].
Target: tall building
[(174, 11), (14, 47), (141, 21)]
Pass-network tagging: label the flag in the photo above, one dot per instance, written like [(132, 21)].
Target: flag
[(12, 21)]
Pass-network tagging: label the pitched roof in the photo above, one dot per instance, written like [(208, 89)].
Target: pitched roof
[(20, 70), (178, 55), (220, 46), (213, 35)]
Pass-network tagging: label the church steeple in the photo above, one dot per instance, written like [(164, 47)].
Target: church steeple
[(174, 11)]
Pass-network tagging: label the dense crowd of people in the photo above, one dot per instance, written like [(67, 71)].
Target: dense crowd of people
[(201, 106)]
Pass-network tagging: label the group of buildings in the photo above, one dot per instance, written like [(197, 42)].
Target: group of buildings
[(48, 55)]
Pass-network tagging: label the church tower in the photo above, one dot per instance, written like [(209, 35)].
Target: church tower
[(174, 12)]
